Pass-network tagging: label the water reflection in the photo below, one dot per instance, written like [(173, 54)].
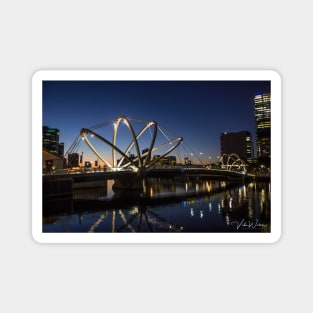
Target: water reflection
[(165, 206)]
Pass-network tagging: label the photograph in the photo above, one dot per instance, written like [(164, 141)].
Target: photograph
[(173, 156)]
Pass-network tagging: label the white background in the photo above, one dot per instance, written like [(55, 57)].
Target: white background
[(155, 35)]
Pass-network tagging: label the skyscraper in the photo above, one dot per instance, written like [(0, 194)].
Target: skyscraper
[(50, 139), (262, 114)]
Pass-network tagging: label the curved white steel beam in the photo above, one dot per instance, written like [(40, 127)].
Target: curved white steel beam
[(130, 128), (233, 160), (179, 139), (83, 134), (137, 137), (239, 162), (157, 148), (155, 130), (85, 131)]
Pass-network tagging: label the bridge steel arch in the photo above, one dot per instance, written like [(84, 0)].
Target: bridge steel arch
[(85, 131), (233, 161), (130, 128), (142, 164), (147, 154), (178, 139)]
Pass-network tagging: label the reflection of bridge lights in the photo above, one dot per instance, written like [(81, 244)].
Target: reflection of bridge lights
[(227, 219), (230, 202), (192, 212), (219, 208), (210, 206), (208, 186), (250, 212), (244, 191), (240, 195), (262, 197), (201, 214)]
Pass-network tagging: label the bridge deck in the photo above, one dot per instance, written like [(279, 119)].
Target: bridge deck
[(160, 172)]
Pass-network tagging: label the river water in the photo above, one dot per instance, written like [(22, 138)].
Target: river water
[(164, 205)]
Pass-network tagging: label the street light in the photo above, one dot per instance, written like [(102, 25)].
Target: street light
[(210, 164)]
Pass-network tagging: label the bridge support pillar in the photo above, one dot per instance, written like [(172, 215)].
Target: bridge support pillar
[(129, 182)]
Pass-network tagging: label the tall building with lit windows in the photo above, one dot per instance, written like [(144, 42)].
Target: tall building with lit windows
[(262, 114), (50, 140), (239, 143)]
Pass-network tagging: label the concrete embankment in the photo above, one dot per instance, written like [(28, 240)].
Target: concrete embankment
[(55, 186)]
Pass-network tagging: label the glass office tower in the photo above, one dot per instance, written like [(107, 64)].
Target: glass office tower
[(50, 139), (262, 113)]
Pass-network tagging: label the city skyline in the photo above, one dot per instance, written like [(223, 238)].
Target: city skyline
[(198, 111)]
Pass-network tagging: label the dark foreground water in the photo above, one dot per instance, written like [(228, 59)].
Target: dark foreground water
[(165, 205)]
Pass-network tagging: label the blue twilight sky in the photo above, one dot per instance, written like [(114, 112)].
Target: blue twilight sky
[(198, 111)]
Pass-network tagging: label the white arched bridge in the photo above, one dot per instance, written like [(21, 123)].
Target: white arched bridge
[(142, 161), (132, 153), (232, 162)]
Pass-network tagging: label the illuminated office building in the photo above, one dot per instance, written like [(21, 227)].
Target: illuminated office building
[(50, 140), (262, 113)]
